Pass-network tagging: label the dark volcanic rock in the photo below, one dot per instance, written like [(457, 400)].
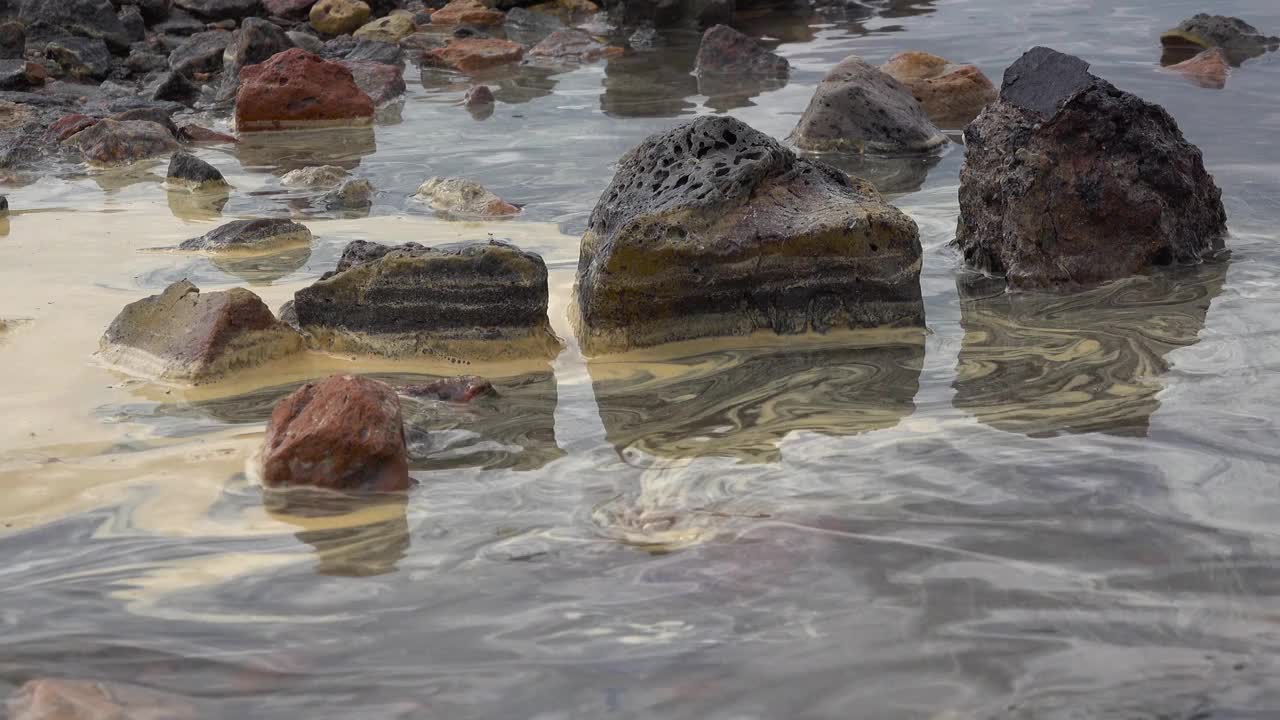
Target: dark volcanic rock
[(153, 11), (713, 228), (857, 108), (220, 9), (187, 170), (142, 61), (86, 18), (484, 300), (290, 9), (266, 235), (13, 39), (185, 335), (160, 115), (81, 58), (255, 42), (725, 50), (297, 89), (345, 433), (1237, 38), (114, 142), (1068, 182), (179, 22), (200, 53), (175, 87)]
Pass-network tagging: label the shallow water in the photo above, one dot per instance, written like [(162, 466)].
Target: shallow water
[(1044, 506)]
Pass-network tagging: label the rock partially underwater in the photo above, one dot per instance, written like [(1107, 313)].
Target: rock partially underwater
[(713, 228), (951, 95), (1068, 180), (251, 236), (1237, 38), (296, 89)]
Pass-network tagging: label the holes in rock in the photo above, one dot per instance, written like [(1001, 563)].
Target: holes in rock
[(681, 182), (729, 137), (722, 172)]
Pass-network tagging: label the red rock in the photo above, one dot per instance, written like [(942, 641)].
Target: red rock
[(462, 389), (467, 12), (344, 433), (471, 55), (198, 134), (68, 125), (292, 9), (1209, 69), (297, 89), (58, 699)]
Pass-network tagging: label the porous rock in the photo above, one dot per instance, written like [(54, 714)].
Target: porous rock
[(714, 228), (257, 236), (1068, 180), (951, 95)]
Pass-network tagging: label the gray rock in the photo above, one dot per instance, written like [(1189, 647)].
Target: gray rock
[(134, 26), (306, 41), (184, 335), (255, 42), (569, 46), (200, 53), (153, 11), (265, 235), (1237, 38), (475, 300), (380, 81), (461, 198), (714, 228), (857, 108), (1042, 80), (1103, 187), (220, 9), (528, 28), (188, 171), (16, 75), (81, 58), (142, 61), (321, 176), (159, 114), (84, 18), (113, 142), (179, 22), (671, 13), (348, 48), (350, 195), (729, 52), (13, 39), (174, 87)]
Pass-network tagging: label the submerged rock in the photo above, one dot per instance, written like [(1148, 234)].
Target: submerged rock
[(461, 389), (190, 172), (344, 433), (479, 100), (115, 142), (486, 300), (350, 195), (316, 176), (197, 134), (298, 89), (951, 95), (1209, 69), (571, 46), (470, 55), (1068, 180), (857, 108), (463, 198), (467, 12), (339, 17), (380, 81), (714, 228), (1237, 38), (189, 336), (727, 51), (265, 235), (66, 699)]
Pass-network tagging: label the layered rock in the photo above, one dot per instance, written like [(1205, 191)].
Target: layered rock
[(857, 108), (727, 51), (1237, 38), (188, 336), (344, 433), (476, 300), (1069, 180), (713, 228), (951, 95), (298, 89), (251, 236), (463, 198)]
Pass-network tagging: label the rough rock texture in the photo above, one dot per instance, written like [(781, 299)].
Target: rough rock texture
[(463, 198), (267, 235), (1208, 69), (380, 81), (1068, 181), (65, 699), (857, 108), (468, 12), (471, 55), (450, 302), (529, 27), (306, 41), (951, 95), (671, 13), (220, 9), (713, 228), (1237, 38), (354, 194), (349, 48), (80, 58), (390, 29), (344, 433), (289, 9), (85, 18), (727, 51), (320, 176), (134, 26), (174, 87), (462, 389), (255, 42), (298, 89), (570, 46), (114, 142), (185, 335), (188, 171), (339, 17), (200, 53)]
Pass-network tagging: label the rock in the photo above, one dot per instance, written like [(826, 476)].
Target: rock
[(175, 87), (113, 142), (951, 95), (255, 42), (159, 115), (153, 11), (190, 172), (220, 9), (142, 61), (1209, 69), (84, 18), (345, 433), (200, 53), (571, 46), (4, 212), (671, 13), (256, 236), (298, 89), (1069, 181), (13, 39), (197, 134), (289, 9), (479, 101), (65, 699), (338, 17), (306, 41), (350, 195), (81, 58), (390, 29), (470, 55), (381, 82), (187, 336), (857, 108), (463, 198), (1237, 38), (727, 51), (134, 26), (350, 48), (20, 75), (68, 125), (467, 12), (528, 27), (715, 229), (462, 389), (474, 300), (179, 23), (322, 176)]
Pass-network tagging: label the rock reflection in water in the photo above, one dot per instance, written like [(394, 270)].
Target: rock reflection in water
[(739, 399), (725, 93), (1042, 364), (352, 536), (283, 151), (214, 269), (889, 175), (512, 85), (202, 205), (652, 84)]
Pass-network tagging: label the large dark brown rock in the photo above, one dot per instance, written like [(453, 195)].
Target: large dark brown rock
[(298, 89), (190, 172), (344, 433), (188, 336), (713, 228), (1069, 180), (475, 300)]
